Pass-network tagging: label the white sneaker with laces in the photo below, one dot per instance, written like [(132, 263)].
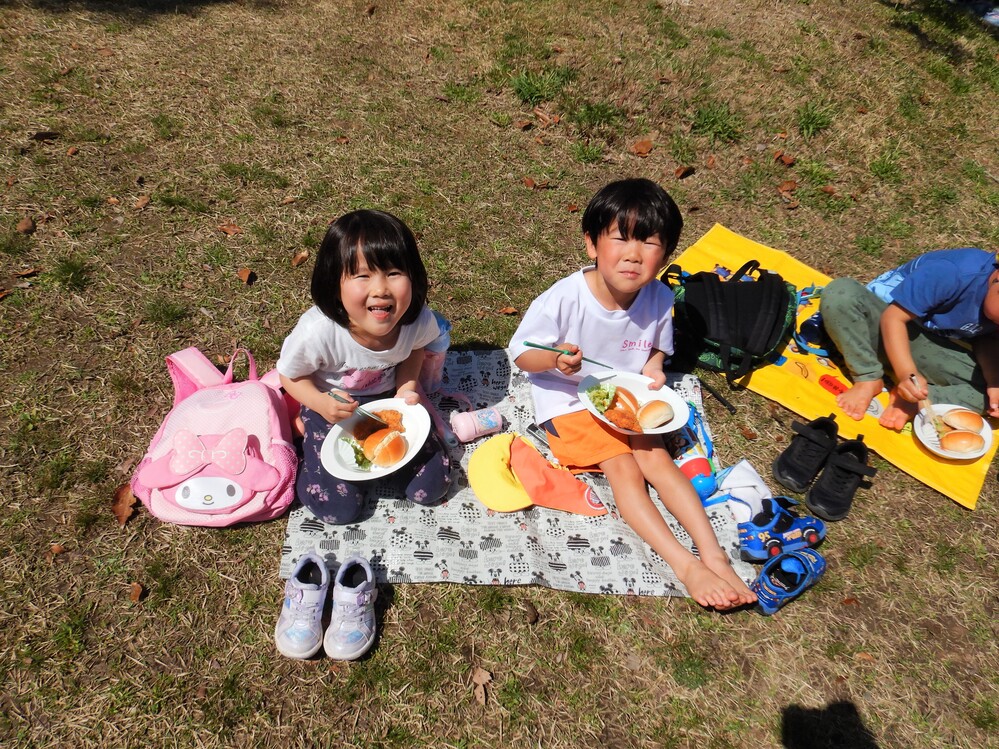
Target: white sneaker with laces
[(299, 630), (352, 624)]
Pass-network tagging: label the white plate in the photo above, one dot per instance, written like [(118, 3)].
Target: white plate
[(337, 456), (639, 387), (926, 434)]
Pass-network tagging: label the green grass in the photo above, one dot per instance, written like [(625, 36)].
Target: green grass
[(885, 166), (587, 153), (163, 311), (533, 88), (717, 121), (72, 273), (253, 173), (813, 118)]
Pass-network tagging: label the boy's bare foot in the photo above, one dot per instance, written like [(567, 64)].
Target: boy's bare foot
[(899, 412), (855, 401), (707, 588), (723, 568)]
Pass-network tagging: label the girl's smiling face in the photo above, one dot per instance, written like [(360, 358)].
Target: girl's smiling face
[(375, 301)]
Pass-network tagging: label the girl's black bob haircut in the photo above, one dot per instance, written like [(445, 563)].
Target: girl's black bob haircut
[(641, 209), (386, 244)]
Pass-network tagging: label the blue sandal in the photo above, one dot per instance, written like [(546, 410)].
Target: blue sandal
[(776, 530), (786, 577)]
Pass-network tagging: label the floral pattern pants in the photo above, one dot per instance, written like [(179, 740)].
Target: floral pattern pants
[(425, 479)]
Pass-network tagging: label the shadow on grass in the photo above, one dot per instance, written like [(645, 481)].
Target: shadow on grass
[(836, 726)]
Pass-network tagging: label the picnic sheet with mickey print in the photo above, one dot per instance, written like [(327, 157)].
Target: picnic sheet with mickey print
[(460, 541)]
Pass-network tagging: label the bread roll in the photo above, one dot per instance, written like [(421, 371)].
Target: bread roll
[(962, 441), (962, 418), (385, 447), (654, 414)]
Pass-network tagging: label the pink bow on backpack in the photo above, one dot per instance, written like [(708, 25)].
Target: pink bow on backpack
[(191, 454)]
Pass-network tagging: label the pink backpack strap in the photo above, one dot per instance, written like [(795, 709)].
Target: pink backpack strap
[(190, 371), (252, 374)]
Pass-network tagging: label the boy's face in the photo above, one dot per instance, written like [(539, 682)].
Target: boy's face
[(625, 265)]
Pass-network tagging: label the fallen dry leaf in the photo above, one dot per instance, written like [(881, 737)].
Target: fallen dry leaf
[(850, 601), (105, 52), (641, 148), (288, 200), (112, 200), (711, 163), (299, 257), (791, 205), (480, 678), (785, 158), (4, 293), (27, 273), (123, 505), (26, 225), (247, 276), (135, 591), (828, 189), (682, 172), (11, 181), (861, 110), (342, 140), (748, 433), (72, 151), (529, 183), (230, 229), (523, 124), (369, 10), (572, 208), (782, 135), (507, 311), (57, 548), (788, 185), (862, 656), (141, 202), (530, 612)]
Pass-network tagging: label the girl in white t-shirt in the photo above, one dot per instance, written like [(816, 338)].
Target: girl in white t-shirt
[(363, 340)]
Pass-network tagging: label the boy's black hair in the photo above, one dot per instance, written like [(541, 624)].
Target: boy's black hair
[(641, 209), (386, 243)]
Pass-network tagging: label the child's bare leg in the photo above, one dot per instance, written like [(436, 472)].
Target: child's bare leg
[(899, 412), (680, 498), (855, 401), (640, 513)]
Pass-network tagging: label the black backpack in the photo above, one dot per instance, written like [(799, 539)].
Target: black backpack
[(732, 326)]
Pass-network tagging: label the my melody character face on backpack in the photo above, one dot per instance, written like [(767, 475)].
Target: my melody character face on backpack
[(223, 454)]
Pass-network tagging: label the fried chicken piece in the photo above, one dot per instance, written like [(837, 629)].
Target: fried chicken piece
[(622, 418)]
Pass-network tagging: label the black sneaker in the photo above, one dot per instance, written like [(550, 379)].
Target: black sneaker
[(832, 495), (802, 460)]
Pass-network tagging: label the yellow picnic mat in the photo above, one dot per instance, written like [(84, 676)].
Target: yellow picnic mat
[(806, 384)]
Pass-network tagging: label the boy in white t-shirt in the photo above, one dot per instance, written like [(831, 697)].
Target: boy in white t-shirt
[(621, 313)]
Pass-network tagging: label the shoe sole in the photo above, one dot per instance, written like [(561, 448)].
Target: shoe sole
[(785, 481), (819, 512), (296, 656), (353, 656)]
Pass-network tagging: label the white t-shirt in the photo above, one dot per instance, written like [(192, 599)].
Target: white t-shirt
[(624, 339), (319, 347)]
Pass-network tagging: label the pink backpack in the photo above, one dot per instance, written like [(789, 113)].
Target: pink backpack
[(223, 454)]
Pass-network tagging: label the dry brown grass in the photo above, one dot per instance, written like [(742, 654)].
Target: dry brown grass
[(220, 110)]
